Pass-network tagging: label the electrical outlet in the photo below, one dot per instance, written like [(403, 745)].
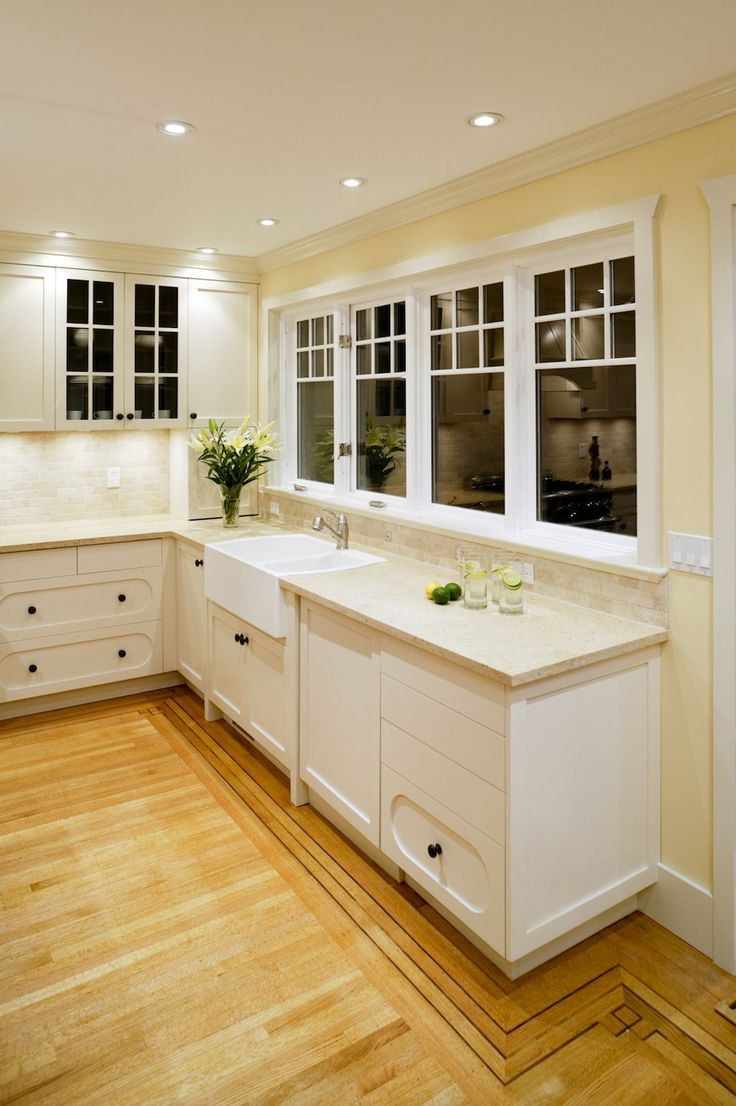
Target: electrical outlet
[(690, 553), (527, 572), (274, 509), (582, 450), (113, 478)]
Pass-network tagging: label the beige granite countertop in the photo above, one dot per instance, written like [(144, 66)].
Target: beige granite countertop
[(549, 638)]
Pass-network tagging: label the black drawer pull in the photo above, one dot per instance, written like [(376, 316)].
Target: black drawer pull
[(121, 598), (122, 653), (129, 415), (31, 610), (192, 414), (33, 668), (242, 639), (237, 639), (434, 850), (119, 417), (198, 562)]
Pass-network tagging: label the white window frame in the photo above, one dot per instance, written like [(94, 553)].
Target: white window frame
[(626, 229)]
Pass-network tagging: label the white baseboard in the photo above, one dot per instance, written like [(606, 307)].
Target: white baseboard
[(96, 694), (682, 906)]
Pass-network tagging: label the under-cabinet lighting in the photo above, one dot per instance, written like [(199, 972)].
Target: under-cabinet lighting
[(485, 119), (177, 128), (61, 234), (352, 182), (267, 222)]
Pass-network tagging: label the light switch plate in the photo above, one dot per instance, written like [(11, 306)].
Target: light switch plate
[(113, 478), (690, 553)]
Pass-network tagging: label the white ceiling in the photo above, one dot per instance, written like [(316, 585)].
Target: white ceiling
[(289, 95)]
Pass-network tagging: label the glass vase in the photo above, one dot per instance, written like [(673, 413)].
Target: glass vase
[(230, 505)]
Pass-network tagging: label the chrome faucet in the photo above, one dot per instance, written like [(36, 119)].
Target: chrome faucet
[(340, 531)]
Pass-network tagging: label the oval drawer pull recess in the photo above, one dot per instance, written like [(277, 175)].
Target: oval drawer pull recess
[(122, 653), (33, 668), (434, 850), (121, 598), (31, 610)]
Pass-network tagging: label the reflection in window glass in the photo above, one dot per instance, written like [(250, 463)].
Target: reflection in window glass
[(622, 281), (103, 302), (468, 349), (441, 311), (382, 357), (77, 349), (549, 289), (493, 303), (363, 328), (302, 333), (102, 351), (623, 334), (467, 307), (316, 437), (441, 351), (551, 341), (493, 348), (468, 441), (587, 338), (595, 405), (381, 415), (587, 287), (383, 321)]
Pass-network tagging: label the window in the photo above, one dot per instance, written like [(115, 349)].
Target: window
[(379, 374), (585, 345), (315, 375), (466, 340)]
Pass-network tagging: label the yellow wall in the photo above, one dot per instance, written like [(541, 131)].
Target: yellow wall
[(673, 167)]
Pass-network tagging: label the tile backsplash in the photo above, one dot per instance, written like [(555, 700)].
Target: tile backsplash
[(64, 476), (602, 589)]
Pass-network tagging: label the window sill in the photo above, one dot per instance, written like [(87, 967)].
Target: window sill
[(545, 541)]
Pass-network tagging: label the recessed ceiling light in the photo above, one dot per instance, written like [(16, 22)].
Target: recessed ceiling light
[(352, 182), (206, 249), (61, 233), (485, 119), (267, 222), (175, 127)]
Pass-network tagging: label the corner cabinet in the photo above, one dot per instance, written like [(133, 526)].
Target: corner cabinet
[(223, 333), (26, 348)]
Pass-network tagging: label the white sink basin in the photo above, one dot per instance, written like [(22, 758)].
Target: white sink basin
[(243, 575)]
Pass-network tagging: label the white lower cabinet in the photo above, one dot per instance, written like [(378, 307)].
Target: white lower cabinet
[(247, 680), (65, 662), (339, 731), (191, 615), (529, 815)]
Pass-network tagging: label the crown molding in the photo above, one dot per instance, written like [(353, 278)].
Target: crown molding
[(81, 253), (665, 117)]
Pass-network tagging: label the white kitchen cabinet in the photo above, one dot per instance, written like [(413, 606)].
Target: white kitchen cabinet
[(26, 348), (222, 351), (156, 350), (191, 615), (339, 729), (90, 314), (248, 681)]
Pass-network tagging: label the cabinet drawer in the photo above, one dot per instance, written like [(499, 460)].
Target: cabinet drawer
[(466, 794), (468, 877), (119, 554), (464, 740), (79, 660), (38, 564), (64, 605), (466, 692)]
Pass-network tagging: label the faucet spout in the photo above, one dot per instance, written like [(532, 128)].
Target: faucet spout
[(340, 531)]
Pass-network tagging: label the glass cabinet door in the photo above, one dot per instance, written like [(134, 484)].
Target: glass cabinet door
[(156, 361), (89, 336)]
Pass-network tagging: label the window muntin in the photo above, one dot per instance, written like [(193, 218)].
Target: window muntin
[(468, 410), (379, 375), (315, 374), (586, 403)]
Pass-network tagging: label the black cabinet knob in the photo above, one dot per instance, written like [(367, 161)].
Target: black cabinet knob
[(434, 850), (122, 653), (246, 641), (242, 639), (31, 610), (33, 668), (119, 417), (237, 639), (129, 415), (198, 562), (121, 598), (192, 414)]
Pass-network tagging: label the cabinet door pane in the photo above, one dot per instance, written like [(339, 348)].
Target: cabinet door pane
[(103, 303), (168, 353), (102, 351), (77, 350), (144, 398), (168, 399), (77, 301), (168, 306), (102, 398), (145, 351), (77, 398), (145, 305)]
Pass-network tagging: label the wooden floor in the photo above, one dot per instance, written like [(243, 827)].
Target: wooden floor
[(173, 931)]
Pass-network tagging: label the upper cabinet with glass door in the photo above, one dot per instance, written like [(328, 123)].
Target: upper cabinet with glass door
[(156, 361), (89, 335)]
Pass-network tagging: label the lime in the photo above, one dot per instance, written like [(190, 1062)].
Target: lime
[(453, 590), (471, 568), (441, 595), (429, 588), (511, 579)]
